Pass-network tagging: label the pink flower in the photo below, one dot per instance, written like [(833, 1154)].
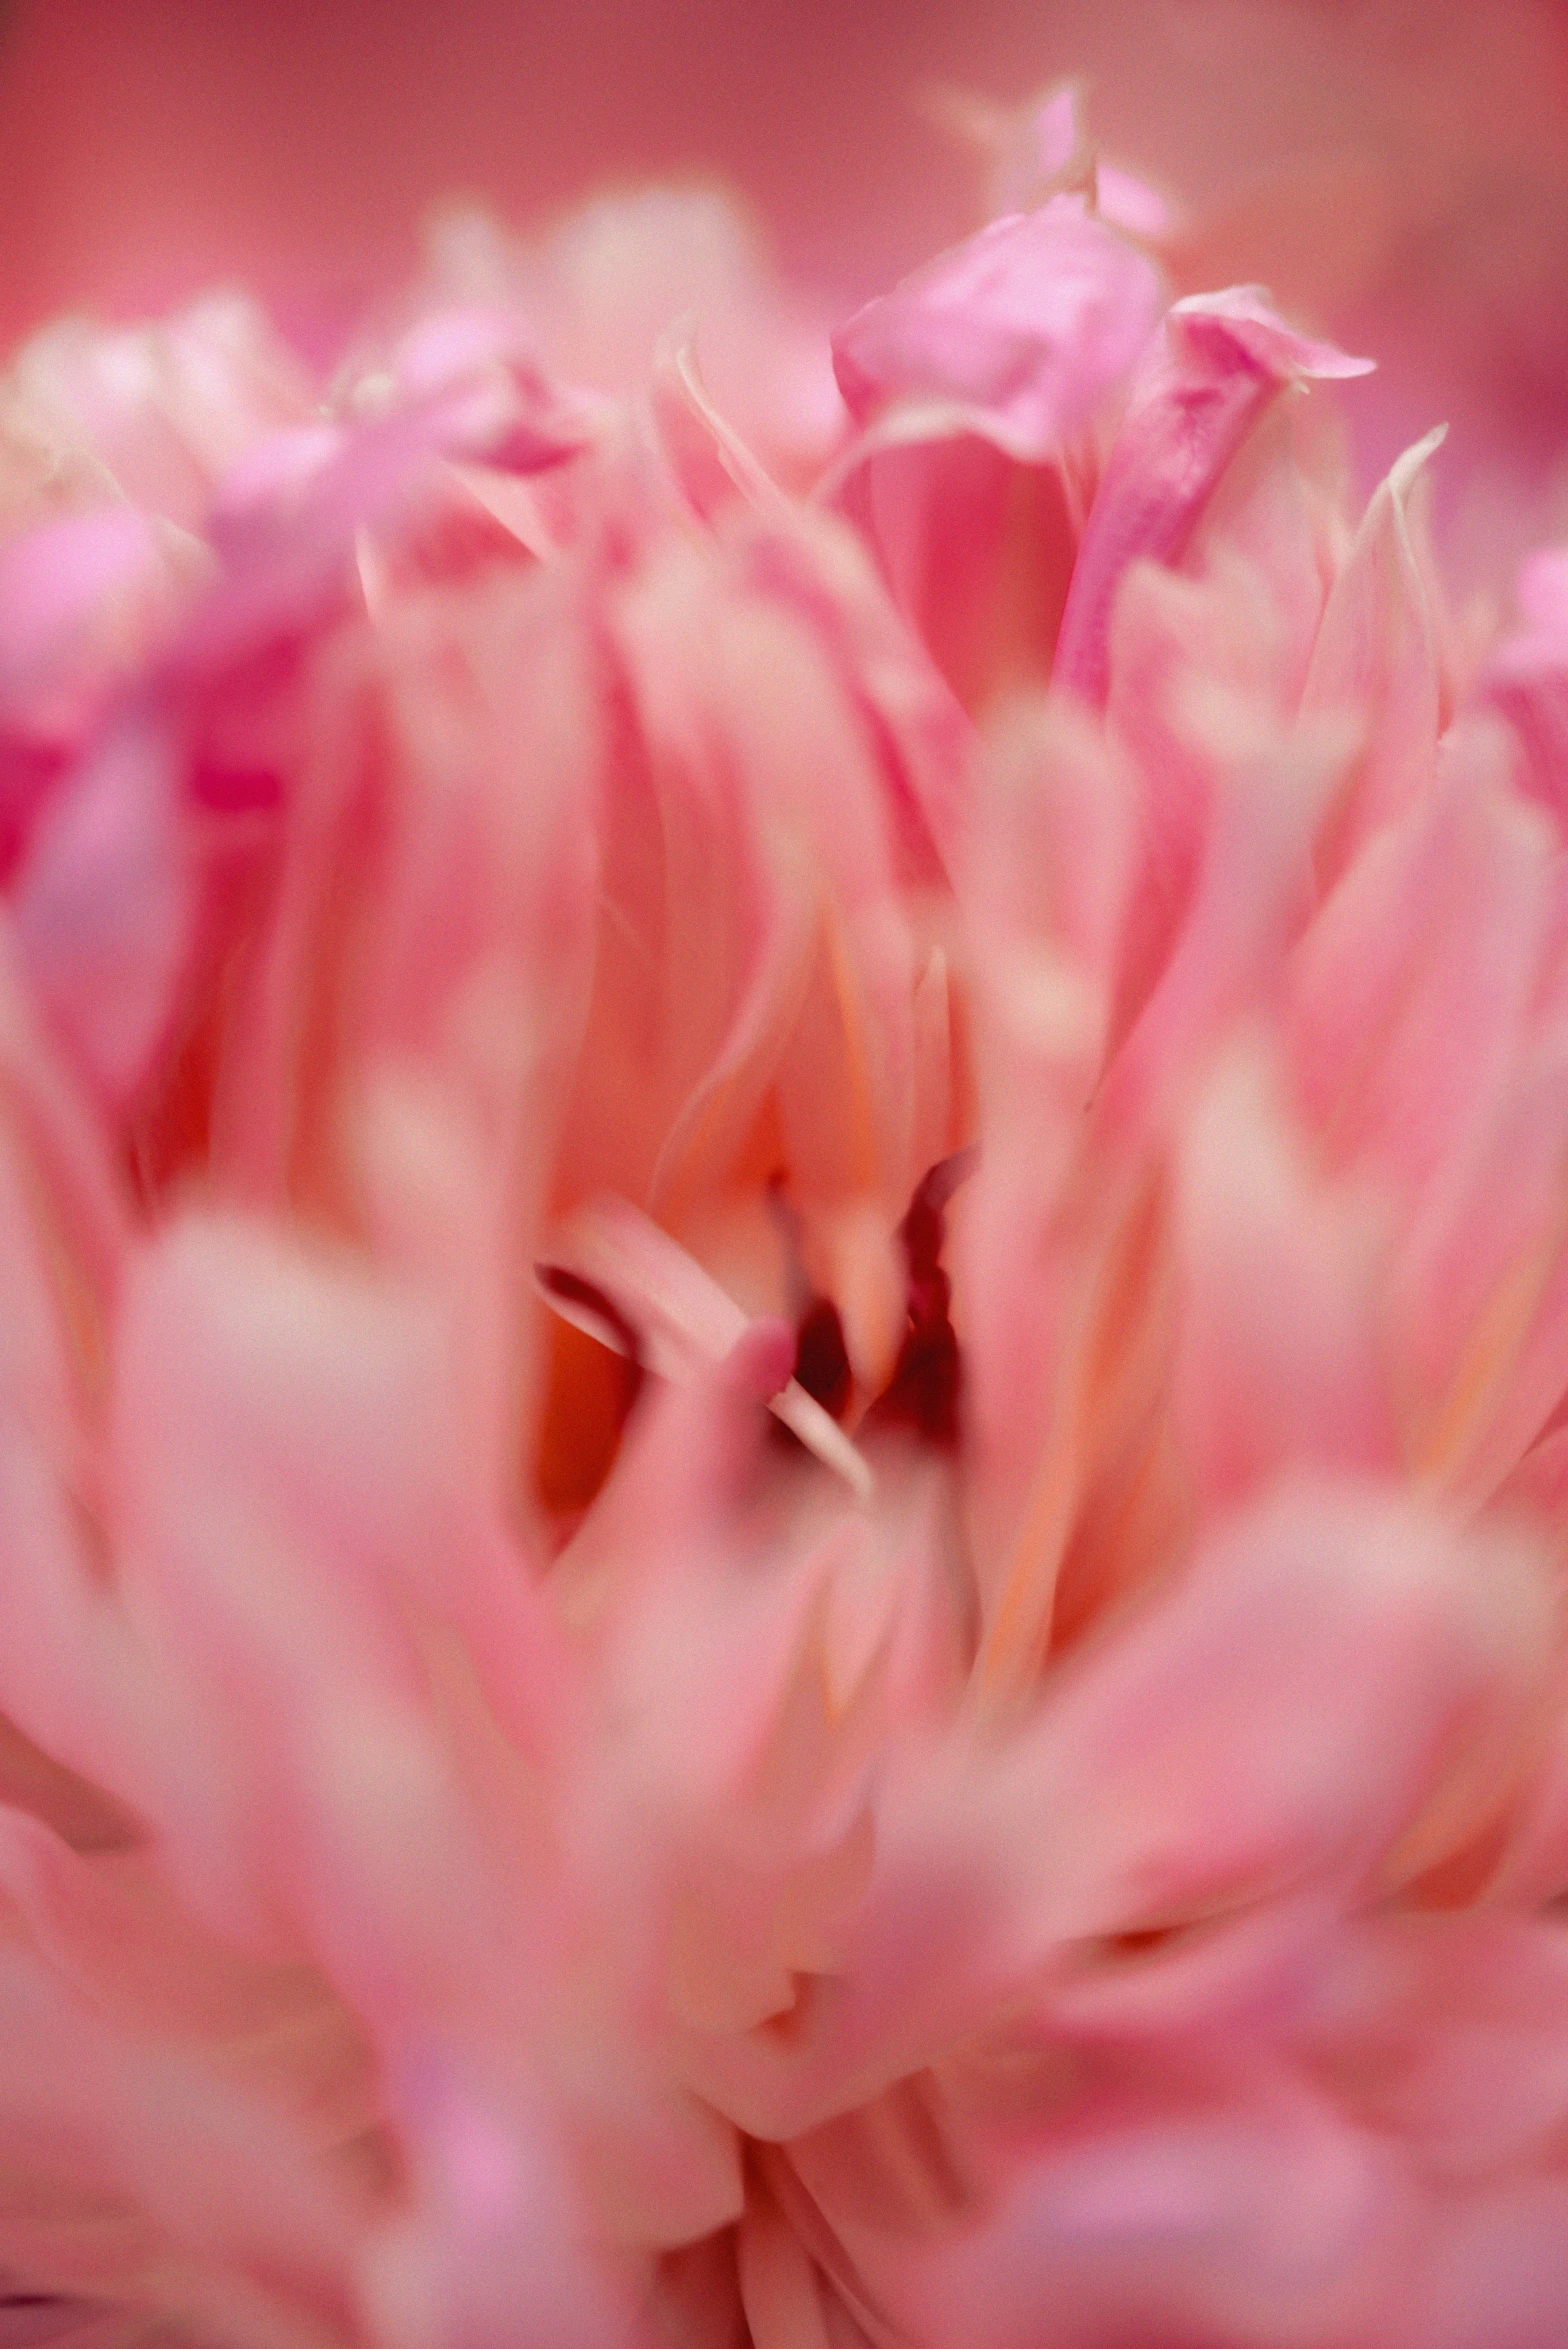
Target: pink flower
[(786, 1348)]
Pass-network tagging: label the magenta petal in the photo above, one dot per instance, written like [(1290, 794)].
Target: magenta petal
[(1026, 329)]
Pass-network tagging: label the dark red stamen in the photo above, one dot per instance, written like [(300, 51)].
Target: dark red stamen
[(923, 1392), (822, 1358)]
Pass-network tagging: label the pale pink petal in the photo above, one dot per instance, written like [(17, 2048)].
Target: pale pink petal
[(1409, 994), (1196, 700), (1380, 657), (1400, 1661), (496, 2227), (1250, 897), (1479, 1290), (1526, 677), (337, 1381), (72, 1682), (1255, 2217), (611, 281), (164, 410), (922, 745), (1278, 518), (709, 457), (1051, 856), (1455, 1627), (158, 2152), (474, 991), (1046, 144), (705, 911), (755, 842), (1277, 1354), (1131, 204)]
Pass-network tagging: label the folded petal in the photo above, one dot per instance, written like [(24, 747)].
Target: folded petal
[(1223, 359)]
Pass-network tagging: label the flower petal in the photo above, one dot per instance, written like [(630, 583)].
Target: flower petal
[(1224, 357)]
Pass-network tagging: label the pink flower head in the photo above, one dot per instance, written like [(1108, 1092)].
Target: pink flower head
[(784, 1385)]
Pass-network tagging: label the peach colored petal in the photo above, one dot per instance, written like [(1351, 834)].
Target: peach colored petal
[(1277, 1358)]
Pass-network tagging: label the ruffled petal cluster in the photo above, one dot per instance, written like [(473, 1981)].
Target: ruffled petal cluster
[(784, 1373)]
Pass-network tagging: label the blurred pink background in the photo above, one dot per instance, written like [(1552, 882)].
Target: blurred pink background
[(1397, 168)]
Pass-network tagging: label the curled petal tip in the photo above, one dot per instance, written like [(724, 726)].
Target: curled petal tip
[(1247, 315)]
